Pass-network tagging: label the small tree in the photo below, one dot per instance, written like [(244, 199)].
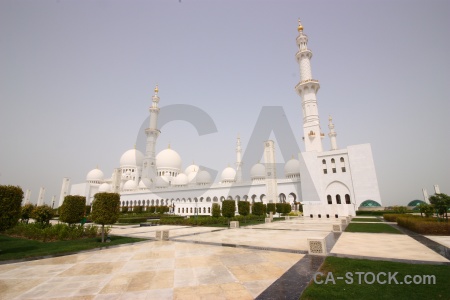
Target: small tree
[(441, 203), (271, 208), (287, 208), (26, 212), (259, 209), (215, 210), (105, 210), (279, 208), (426, 209), (228, 209), (10, 206), (72, 210), (400, 209), (42, 214), (244, 209)]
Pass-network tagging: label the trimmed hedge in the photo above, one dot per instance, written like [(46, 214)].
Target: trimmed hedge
[(26, 212), (72, 210), (259, 209), (42, 214), (392, 217), (424, 225), (228, 208), (271, 208), (10, 206), (204, 220), (215, 211), (132, 220)]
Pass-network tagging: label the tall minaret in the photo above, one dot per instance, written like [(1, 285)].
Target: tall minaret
[(332, 134), (307, 89), (271, 172), (152, 132), (238, 160)]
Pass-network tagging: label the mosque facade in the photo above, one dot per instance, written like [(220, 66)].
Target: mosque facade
[(327, 183)]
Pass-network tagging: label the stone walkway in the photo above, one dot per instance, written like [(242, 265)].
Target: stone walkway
[(202, 263)]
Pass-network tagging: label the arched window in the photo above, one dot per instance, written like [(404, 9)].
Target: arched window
[(183, 210), (209, 210), (329, 199), (333, 165), (324, 162), (347, 199), (338, 199), (343, 165)]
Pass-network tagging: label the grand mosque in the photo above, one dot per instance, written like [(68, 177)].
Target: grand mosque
[(327, 183)]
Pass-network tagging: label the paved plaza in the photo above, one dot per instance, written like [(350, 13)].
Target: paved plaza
[(198, 262)]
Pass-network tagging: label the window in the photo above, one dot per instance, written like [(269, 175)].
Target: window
[(329, 199), (325, 171), (324, 162), (338, 199), (343, 165), (334, 170), (347, 199), (333, 165)]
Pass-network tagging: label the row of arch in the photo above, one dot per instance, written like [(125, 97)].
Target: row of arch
[(338, 199), (333, 165), (283, 198)]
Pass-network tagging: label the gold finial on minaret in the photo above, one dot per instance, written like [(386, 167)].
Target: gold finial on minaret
[(168, 147), (156, 89), (300, 26), (134, 146)]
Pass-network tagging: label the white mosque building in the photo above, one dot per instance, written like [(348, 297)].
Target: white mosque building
[(328, 183)]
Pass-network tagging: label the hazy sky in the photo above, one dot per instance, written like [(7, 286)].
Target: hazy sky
[(76, 80)]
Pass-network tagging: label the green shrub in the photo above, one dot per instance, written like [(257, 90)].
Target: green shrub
[(426, 209), (244, 208), (87, 210), (151, 209), (10, 206), (391, 217), (421, 225), (228, 208), (259, 209), (124, 209), (287, 208), (42, 214), (105, 209), (162, 209), (271, 208), (400, 209), (215, 210), (72, 210), (137, 209), (26, 212)]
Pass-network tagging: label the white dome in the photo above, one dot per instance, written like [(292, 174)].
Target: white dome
[(168, 159), (292, 167), (132, 158), (192, 177), (203, 177), (145, 183), (129, 185), (104, 188), (181, 179), (95, 175), (162, 181), (190, 169), (229, 174), (258, 171)]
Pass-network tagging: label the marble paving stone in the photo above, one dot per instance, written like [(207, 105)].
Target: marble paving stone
[(93, 268)]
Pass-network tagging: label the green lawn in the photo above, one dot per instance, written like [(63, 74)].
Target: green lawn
[(18, 248), (371, 228), (366, 220), (342, 267)]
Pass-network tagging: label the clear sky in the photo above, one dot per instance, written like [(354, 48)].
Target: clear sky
[(76, 80)]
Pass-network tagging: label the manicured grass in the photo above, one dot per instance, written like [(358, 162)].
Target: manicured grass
[(18, 248), (366, 220), (371, 228), (339, 267)]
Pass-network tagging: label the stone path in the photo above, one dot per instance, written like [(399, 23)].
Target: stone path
[(264, 262)]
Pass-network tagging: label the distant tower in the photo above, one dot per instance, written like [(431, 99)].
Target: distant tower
[(152, 132), (27, 196), (425, 196), (116, 177), (238, 160), (332, 134), (307, 89), (271, 172), (40, 201), (64, 190), (436, 189)]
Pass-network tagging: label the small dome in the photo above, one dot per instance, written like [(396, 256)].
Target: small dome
[(258, 171), (104, 188), (292, 168), (132, 158), (190, 169), (192, 177), (203, 177), (145, 183), (168, 159), (162, 181), (130, 185), (228, 175), (95, 175), (181, 179)]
